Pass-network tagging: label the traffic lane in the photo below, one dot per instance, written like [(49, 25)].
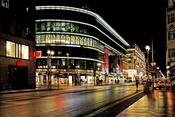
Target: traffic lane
[(159, 103), (62, 104)]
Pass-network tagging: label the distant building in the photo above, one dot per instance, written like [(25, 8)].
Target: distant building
[(170, 32), (136, 62)]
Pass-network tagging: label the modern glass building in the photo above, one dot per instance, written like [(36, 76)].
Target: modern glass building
[(73, 44)]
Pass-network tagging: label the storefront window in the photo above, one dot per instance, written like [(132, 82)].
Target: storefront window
[(25, 52), (17, 50), (10, 49)]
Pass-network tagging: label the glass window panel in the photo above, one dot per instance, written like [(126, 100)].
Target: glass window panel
[(43, 40), (85, 41), (25, 52), (67, 27), (10, 49), (64, 62), (53, 26), (81, 29), (20, 51), (90, 42), (43, 27), (94, 43), (77, 39), (67, 39), (77, 28), (72, 27), (36, 27), (53, 38), (5, 3), (57, 38), (81, 40), (62, 39), (63, 26), (17, 54), (85, 31), (48, 26), (73, 40), (48, 38), (37, 38), (58, 26)]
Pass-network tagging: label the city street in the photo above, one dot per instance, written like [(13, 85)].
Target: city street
[(71, 102), (88, 101)]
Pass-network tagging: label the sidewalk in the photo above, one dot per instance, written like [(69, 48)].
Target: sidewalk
[(157, 103)]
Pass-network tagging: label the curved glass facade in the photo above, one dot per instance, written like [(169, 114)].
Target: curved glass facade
[(81, 47)]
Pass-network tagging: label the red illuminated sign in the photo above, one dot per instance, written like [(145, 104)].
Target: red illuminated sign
[(38, 54), (19, 63)]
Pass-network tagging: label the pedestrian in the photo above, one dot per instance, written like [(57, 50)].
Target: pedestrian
[(49, 84), (137, 83)]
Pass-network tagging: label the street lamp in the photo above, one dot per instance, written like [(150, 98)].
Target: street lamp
[(147, 47), (67, 54), (49, 53)]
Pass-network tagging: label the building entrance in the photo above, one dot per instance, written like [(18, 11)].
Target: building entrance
[(18, 77)]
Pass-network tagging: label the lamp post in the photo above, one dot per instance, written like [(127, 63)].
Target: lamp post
[(94, 70), (147, 49), (49, 53), (67, 54)]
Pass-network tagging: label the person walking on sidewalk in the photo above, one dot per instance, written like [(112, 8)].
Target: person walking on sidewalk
[(137, 83), (49, 84)]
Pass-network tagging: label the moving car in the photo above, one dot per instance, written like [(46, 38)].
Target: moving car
[(163, 84)]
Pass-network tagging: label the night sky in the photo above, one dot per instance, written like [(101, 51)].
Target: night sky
[(137, 22)]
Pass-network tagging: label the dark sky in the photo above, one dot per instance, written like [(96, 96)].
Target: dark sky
[(137, 21)]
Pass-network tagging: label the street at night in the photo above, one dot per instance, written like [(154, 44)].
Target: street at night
[(76, 101), (88, 101)]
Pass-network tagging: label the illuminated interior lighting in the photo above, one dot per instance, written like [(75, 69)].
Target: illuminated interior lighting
[(98, 18), (79, 33), (65, 57), (73, 45)]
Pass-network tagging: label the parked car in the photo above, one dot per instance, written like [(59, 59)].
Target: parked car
[(128, 80)]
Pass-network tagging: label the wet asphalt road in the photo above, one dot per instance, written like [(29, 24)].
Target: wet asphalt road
[(96, 101), (64, 103)]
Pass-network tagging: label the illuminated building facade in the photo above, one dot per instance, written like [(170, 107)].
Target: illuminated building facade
[(82, 42), (170, 39), (136, 62), (17, 62)]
